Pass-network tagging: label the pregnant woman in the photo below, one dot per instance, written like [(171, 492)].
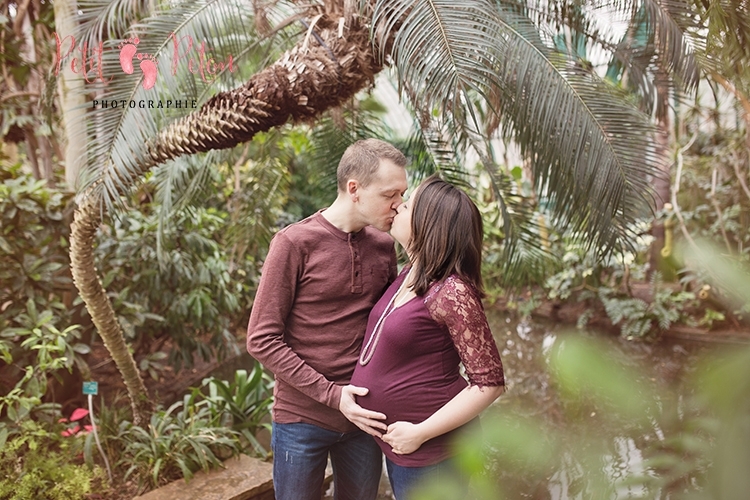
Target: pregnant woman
[(428, 322)]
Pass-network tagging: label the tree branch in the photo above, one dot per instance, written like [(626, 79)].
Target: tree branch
[(676, 189)]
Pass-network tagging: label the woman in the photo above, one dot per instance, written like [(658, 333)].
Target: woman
[(429, 321)]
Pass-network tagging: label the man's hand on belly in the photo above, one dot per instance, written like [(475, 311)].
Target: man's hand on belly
[(369, 421)]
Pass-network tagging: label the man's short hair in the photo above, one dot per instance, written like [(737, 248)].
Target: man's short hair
[(362, 159)]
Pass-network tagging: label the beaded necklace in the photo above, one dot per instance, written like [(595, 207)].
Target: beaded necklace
[(369, 348)]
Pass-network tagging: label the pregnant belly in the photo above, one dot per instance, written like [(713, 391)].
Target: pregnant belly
[(405, 400)]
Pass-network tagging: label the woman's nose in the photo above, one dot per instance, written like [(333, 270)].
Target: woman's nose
[(400, 206)]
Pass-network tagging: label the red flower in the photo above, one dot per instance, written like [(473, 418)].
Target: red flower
[(71, 432), (78, 414)]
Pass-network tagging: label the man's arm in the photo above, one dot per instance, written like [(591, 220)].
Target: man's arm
[(265, 330)]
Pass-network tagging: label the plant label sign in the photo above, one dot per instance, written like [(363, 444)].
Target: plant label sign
[(91, 388)]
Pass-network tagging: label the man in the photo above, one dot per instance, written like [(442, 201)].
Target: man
[(320, 280)]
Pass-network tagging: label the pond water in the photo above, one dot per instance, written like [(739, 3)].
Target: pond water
[(523, 345), (615, 452)]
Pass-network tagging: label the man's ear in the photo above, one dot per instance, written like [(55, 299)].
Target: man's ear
[(352, 189)]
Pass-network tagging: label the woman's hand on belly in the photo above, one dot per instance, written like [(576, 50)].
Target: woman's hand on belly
[(404, 437)]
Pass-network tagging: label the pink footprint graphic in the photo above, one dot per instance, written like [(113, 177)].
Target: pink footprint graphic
[(148, 66), (128, 48)]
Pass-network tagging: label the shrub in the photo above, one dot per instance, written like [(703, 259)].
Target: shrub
[(177, 442), (35, 323), (242, 404), (180, 290), (37, 464)]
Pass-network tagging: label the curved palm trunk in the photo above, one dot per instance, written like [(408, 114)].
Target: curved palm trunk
[(318, 74), (86, 220), (332, 63)]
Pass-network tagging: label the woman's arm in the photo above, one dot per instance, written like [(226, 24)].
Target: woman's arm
[(459, 307), (405, 437)]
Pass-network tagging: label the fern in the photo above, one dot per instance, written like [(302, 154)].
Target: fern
[(638, 318)]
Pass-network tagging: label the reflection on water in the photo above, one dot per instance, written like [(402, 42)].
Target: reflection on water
[(525, 348)]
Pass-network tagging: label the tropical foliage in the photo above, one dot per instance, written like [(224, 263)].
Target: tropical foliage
[(39, 337), (45, 351), (176, 442), (40, 464), (182, 292), (242, 404), (197, 191), (28, 119)]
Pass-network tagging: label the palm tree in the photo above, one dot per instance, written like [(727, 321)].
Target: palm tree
[(472, 71)]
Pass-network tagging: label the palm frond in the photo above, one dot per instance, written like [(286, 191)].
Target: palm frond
[(178, 181), (444, 147), (100, 20), (676, 36), (653, 42), (432, 49), (182, 41), (257, 205), (592, 151), (526, 258), (728, 40), (179, 184), (526, 253), (337, 130), (429, 152)]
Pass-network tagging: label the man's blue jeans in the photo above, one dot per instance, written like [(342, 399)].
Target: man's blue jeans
[(300, 455)]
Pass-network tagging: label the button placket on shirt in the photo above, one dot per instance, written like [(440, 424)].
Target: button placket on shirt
[(356, 264)]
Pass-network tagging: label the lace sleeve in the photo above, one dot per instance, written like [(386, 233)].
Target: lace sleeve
[(457, 305)]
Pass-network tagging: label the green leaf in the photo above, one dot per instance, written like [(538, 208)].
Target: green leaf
[(5, 246)]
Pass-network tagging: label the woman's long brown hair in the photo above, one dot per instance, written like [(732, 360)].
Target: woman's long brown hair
[(446, 235)]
